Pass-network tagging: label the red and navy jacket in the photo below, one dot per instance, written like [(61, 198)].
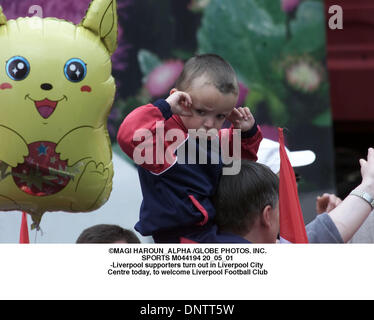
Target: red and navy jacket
[(176, 194)]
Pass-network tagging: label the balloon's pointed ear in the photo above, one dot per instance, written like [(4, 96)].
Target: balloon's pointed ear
[(101, 18), (2, 17)]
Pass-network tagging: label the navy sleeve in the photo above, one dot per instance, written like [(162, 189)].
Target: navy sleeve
[(164, 108), (251, 132)]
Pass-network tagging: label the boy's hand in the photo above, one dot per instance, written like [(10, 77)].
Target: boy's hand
[(241, 118), (180, 103)]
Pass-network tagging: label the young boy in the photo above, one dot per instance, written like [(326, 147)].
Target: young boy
[(177, 189)]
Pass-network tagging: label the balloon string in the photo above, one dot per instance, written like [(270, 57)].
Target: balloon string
[(37, 229)]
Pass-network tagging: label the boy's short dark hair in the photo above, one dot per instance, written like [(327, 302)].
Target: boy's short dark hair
[(107, 233), (241, 198), (219, 72)]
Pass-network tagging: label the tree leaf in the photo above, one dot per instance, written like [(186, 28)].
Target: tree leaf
[(147, 62), (323, 120), (307, 29)]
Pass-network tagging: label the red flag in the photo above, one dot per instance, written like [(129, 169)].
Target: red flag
[(292, 227), (24, 232)]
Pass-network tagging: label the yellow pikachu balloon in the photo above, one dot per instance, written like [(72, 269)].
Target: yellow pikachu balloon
[(56, 91)]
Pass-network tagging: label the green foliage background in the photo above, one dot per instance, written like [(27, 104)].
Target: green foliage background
[(263, 43)]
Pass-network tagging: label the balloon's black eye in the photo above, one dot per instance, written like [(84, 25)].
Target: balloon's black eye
[(17, 68), (75, 70)]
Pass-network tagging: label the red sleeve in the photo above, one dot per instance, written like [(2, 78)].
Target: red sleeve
[(249, 141), (143, 136)]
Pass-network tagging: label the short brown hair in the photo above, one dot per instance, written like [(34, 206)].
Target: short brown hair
[(241, 198), (107, 233), (219, 72)]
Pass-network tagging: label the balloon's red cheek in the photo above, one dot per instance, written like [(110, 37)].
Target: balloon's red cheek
[(86, 89), (5, 85)]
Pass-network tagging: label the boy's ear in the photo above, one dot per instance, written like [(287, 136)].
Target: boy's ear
[(2, 17), (101, 18)]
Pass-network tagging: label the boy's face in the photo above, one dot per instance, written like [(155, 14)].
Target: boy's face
[(210, 107)]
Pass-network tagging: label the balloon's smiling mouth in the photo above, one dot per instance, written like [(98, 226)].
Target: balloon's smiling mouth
[(46, 107)]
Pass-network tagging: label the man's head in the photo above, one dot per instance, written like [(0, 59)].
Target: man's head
[(247, 203), (212, 84), (107, 233)]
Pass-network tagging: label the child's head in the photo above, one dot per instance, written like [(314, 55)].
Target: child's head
[(248, 202), (212, 84)]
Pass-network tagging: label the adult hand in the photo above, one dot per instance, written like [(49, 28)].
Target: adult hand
[(367, 172), (327, 202)]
